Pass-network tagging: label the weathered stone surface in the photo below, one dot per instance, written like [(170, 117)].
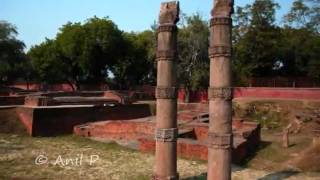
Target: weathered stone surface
[(220, 51), (166, 93), (220, 92), (166, 135), (220, 141), (169, 13), (166, 55), (222, 8)]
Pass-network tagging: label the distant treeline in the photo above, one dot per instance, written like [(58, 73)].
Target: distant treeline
[(97, 51)]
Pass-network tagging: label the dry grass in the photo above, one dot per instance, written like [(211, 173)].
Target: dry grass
[(18, 154), (309, 160)]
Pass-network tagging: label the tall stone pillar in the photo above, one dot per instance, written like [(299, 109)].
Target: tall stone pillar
[(166, 94), (220, 92)]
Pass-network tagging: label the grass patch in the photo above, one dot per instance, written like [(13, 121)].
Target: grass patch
[(115, 162)]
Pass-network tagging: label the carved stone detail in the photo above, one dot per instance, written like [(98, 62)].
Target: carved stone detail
[(166, 93), (166, 55), (220, 93), (220, 21), (169, 12), (220, 50), (166, 135), (220, 141), (223, 8), (167, 28)]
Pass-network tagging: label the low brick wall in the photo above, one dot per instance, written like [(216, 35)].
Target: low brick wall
[(128, 130), (281, 93), (58, 120), (258, 92)]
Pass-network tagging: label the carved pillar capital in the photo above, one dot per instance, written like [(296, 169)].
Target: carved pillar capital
[(223, 8), (169, 13)]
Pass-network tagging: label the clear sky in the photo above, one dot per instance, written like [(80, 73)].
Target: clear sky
[(38, 19)]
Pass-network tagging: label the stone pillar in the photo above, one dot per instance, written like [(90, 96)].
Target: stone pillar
[(166, 94), (220, 92), (285, 138)]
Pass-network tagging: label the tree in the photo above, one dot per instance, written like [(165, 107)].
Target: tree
[(193, 66), (83, 52), (13, 62), (304, 14), (48, 63), (137, 65), (91, 49), (302, 38), (256, 37)]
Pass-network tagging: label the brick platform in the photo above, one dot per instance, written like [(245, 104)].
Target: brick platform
[(192, 136)]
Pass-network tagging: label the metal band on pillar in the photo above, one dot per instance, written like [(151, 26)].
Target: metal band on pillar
[(220, 93), (220, 141), (167, 135)]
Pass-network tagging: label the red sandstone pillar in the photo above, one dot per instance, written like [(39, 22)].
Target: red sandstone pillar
[(220, 92), (166, 94)]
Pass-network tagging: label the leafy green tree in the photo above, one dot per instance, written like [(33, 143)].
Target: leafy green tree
[(81, 53), (91, 49), (301, 35), (193, 66), (13, 62), (304, 14), (137, 65), (48, 63), (256, 47)]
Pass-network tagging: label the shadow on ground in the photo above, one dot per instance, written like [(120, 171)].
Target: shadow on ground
[(200, 177), (279, 175), (263, 145)]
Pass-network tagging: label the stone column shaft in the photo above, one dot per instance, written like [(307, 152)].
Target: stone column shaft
[(166, 94), (220, 92)]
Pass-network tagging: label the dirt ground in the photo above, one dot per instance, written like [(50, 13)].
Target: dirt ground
[(70, 157), (275, 116)]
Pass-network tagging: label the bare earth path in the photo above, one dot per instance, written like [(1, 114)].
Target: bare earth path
[(71, 158)]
